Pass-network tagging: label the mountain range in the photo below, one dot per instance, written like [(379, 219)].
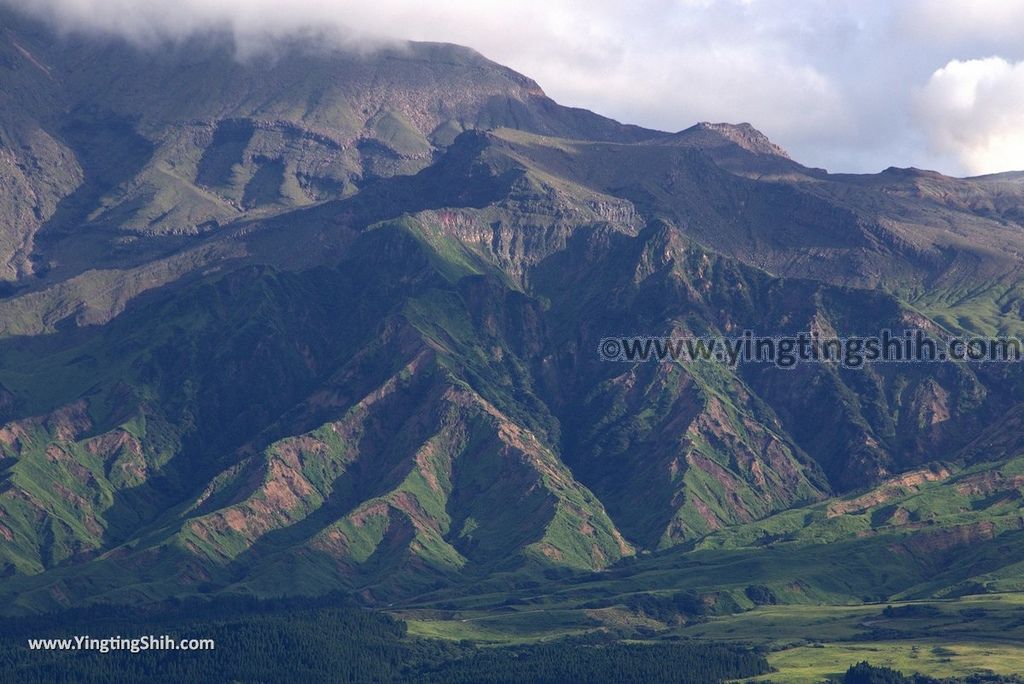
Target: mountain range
[(324, 319)]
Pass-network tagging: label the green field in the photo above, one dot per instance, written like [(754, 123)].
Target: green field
[(805, 643), (812, 664)]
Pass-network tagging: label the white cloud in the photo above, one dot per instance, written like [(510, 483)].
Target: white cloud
[(974, 109)]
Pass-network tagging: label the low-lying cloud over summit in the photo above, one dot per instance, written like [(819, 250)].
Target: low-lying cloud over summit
[(850, 85)]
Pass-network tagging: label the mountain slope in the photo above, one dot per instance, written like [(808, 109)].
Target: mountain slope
[(136, 145), (331, 321)]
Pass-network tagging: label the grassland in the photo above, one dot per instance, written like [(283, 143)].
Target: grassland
[(805, 643), (812, 664)]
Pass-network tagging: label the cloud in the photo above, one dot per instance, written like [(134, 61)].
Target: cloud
[(836, 82), (960, 23), (974, 109)]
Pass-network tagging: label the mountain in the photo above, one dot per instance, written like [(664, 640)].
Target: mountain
[(177, 140), (321, 320)]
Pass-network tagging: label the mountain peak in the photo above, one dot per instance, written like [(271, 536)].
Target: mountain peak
[(712, 135)]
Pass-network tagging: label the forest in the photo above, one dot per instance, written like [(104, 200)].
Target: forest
[(329, 639)]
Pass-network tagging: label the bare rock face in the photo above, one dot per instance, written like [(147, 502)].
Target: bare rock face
[(37, 172)]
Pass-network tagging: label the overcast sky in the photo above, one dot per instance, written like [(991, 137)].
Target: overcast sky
[(849, 85)]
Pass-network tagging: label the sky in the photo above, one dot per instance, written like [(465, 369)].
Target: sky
[(847, 85)]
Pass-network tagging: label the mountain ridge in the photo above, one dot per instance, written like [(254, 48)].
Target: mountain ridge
[(710, 135)]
